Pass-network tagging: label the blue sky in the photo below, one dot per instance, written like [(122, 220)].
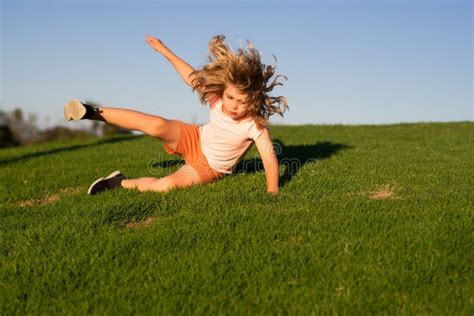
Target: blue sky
[(347, 62)]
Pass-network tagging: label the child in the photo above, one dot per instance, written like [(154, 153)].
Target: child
[(235, 86)]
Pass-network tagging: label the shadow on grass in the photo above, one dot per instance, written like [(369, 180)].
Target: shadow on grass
[(116, 139), (292, 157)]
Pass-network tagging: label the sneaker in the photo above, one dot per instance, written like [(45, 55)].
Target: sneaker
[(112, 181), (76, 110)]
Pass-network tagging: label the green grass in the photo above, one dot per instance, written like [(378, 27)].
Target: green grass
[(377, 219)]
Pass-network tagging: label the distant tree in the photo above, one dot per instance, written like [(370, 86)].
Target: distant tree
[(61, 132), (17, 116), (23, 131), (6, 137), (4, 118), (109, 129)]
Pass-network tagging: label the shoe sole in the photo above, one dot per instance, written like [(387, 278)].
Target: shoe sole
[(113, 174), (74, 110)]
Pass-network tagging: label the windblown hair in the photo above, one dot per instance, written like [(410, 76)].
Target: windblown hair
[(243, 70)]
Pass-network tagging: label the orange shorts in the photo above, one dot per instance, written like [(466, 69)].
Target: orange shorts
[(189, 147)]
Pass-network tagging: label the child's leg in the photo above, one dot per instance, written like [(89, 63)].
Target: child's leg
[(183, 177), (152, 125)]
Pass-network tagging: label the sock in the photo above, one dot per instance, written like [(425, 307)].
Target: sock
[(116, 182), (91, 111)]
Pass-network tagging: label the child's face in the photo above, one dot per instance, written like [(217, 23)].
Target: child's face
[(234, 104)]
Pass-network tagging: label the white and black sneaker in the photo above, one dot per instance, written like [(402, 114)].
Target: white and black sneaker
[(75, 110), (112, 181)]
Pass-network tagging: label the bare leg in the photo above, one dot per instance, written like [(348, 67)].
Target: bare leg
[(152, 125), (183, 177)]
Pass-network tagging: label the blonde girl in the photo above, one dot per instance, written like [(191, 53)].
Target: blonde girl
[(235, 85)]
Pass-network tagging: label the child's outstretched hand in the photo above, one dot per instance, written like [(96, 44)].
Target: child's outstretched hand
[(155, 43)]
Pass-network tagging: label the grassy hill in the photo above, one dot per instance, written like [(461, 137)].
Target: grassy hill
[(369, 219)]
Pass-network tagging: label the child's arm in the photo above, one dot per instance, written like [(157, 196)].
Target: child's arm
[(183, 68), (270, 161)]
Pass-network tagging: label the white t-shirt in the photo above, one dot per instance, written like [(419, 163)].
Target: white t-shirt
[(225, 141)]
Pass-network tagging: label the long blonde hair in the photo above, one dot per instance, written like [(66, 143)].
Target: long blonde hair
[(246, 73)]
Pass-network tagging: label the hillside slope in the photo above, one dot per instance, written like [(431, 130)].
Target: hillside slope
[(369, 219)]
